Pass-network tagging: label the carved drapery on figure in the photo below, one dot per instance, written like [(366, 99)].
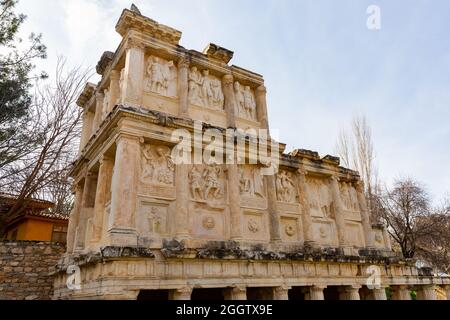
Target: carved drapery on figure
[(251, 182), (205, 90), (157, 165), (319, 198), (206, 183), (285, 187), (161, 77), (245, 101)]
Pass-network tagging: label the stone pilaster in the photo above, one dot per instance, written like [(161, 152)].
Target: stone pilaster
[(230, 100), (133, 73), (306, 214), (114, 89), (181, 294), (183, 86), (350, 293), (338, 210), (74, 219), (103, 185), (236, 293), (274, 218), (87, 207), (401, 293), (261, 106), (124, 191), (99, 98), (281, 293), (379, 294), (426, 292), (365, 216), (88, 123), (235, 202), (182, 202), (316, 293)]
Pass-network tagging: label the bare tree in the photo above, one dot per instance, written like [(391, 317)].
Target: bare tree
[(57, 119), (357, 152), (407, 212)]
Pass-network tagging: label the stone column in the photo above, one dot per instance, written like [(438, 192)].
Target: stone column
[(274, 219), (427, 292), (103, 185), (236, 293), (316, 293), (379, 294), (338, 210), (350, 293), (230, 100), (401, 293), (183, 86), (365, 217), (87, 206), (181, 294), (114, 90), (124, 191), (281, 293), (261, 106), (88, 123), (306, 214), (74, 219), (99, 97), (182, 202), (133, 73), (235, 202), (447, 291)]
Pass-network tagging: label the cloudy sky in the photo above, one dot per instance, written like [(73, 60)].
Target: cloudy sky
[(321, 64)]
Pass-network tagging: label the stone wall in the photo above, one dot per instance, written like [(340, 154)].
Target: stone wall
[(26, 267)]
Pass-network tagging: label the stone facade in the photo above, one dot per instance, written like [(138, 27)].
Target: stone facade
[(26, 269), (142, 222)]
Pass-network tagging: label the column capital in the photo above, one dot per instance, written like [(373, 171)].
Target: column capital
[(261, 89), (183, 293), (134, 43), (115, 75), (127, 136), (184, 62), (335, 178), (228, 79), (99, 96)]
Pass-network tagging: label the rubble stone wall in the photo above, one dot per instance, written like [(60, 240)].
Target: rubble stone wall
[(26, 269)]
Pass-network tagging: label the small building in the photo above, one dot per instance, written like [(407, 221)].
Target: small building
[(36, 223)]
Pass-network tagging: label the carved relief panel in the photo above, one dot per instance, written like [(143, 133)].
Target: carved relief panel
[(160, 77), (350, 201), (255, 226), (157, 171), (208, 223), (252, 187), (291, 228), (208, 184), (320, 198), (205, 90), (354, 234), (286, 187), (324, 232), (245, 102), (153, 219)]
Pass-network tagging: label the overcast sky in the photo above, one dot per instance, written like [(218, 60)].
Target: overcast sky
[(321, 65)]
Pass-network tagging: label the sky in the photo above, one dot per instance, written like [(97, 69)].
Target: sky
[(321, 64)]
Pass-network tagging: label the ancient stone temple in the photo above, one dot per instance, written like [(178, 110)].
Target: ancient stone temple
[(145, 226)]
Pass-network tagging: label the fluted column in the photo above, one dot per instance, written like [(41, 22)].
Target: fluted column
[(426, 292), (274, 219), (124, 191), (379, 294), (74, 219), (261, 106), (104, 177), (133, 73), (87, 206), (316, 293), (306, 214), (281, 293), (99, 98), (365, 216), (350, 293), (114, 89), (236, 293), (181, 294), (182, 202), (230, 100), (338, 210), (401, 293), (183, 86)]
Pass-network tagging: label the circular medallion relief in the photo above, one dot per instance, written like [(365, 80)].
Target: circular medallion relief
[(290, 230), (208, 223)]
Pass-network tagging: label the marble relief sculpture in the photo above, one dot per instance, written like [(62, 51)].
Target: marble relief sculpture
[(157, 165), (285, 187), (245, 101), (160, 77), (205, 90), (251, 182), (205, 183)]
